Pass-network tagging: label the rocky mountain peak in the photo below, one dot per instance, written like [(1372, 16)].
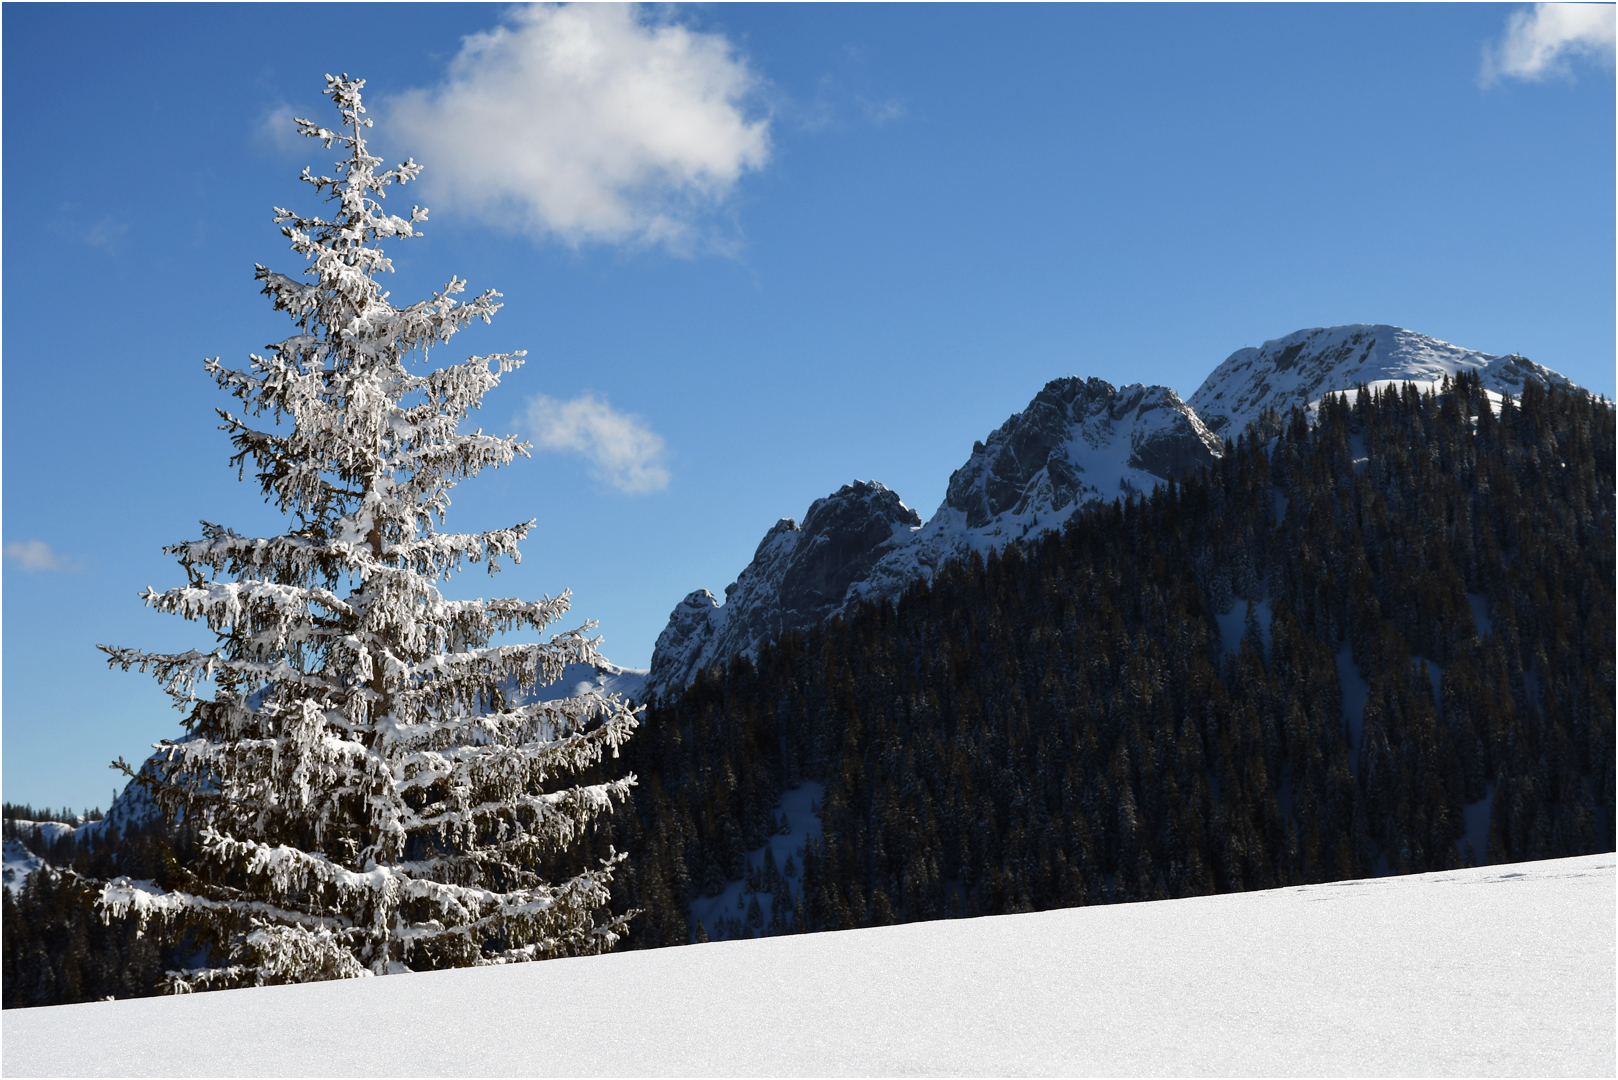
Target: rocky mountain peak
[(1305, 366), (1074, 433), (799, 576)]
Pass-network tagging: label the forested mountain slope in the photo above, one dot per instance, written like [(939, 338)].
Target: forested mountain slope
[(1064, 723)]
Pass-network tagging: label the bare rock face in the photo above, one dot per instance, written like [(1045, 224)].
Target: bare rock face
[(800, 575), (1078, 443)]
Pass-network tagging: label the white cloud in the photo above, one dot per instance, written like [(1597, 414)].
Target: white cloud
[(1539, 41), (591, 122), (36, 555), (624, 452)]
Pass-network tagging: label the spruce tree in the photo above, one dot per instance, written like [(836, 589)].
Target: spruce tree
[(371, 792)]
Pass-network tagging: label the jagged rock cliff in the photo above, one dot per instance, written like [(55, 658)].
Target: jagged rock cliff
[(1079, 441), (800, 575)]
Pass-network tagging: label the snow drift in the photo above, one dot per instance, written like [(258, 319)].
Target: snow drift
[(1499, 970)]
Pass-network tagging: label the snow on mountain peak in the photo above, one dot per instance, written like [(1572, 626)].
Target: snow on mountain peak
[(1080, 441), (1306, 365)]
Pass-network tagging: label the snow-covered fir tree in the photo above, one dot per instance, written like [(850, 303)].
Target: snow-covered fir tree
[(371, 792)]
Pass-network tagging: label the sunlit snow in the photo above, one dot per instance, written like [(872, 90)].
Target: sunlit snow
[(19, 863), (1503, 970)]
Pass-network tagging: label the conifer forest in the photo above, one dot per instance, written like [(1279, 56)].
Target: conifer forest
[(1062, 724), (1354, 645)]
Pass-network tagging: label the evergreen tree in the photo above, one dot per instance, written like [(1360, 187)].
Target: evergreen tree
[(370, 791)]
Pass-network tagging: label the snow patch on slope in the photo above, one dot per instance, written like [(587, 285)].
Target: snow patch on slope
[(19, 863), (584, 678), (725, 916)]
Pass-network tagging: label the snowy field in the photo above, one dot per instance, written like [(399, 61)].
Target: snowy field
[(1489, 971)]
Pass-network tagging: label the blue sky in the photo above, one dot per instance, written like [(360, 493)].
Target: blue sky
[(754, 253)]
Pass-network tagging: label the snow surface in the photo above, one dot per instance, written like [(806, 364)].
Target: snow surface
[(1233, 624), (1501, 970), (1476, 815)]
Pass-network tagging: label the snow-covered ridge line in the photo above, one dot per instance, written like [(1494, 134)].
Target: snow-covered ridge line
[(1079, 442), (1498, 970)]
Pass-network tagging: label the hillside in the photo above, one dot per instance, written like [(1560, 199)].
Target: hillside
[(1306, 365), (1489, 971)]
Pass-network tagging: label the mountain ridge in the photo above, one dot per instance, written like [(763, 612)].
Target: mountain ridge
[(1080, 441)]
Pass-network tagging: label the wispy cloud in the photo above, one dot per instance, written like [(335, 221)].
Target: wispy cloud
[(622, 450), (883, 112), (1539, 41), (37, 555), (278, 131), (105, 232), (843, 97), (591, 122)]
